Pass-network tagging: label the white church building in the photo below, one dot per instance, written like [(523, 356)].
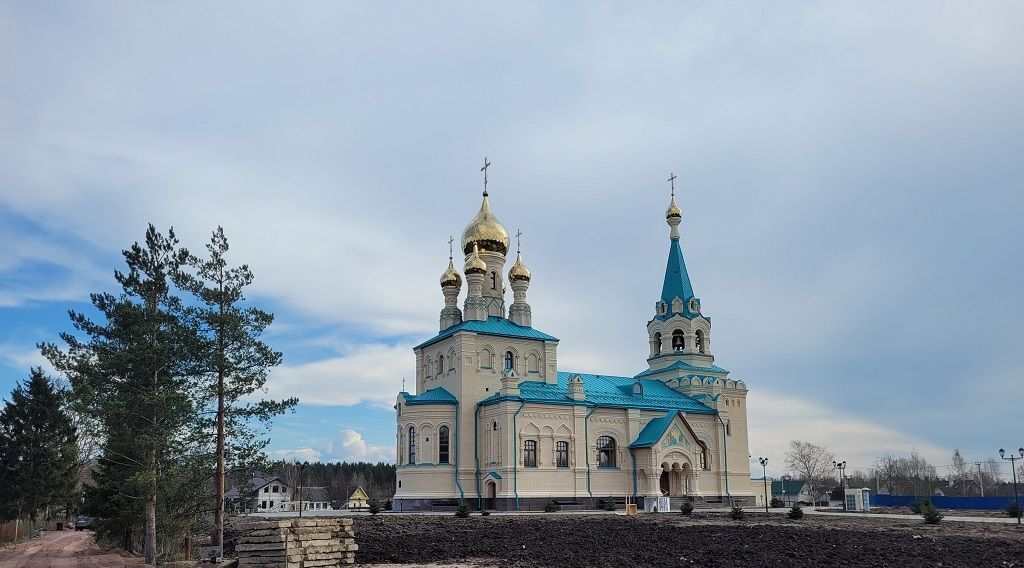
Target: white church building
[(495, 423)]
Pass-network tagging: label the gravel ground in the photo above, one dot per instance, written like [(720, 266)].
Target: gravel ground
[(673, 540), (63, 549)]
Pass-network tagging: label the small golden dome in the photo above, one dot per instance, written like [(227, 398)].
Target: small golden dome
[(519, 270), (673, 210), (485, 231), (474, 264), (450, 276)]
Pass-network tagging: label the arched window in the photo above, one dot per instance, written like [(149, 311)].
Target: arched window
[(530, 453), (728, 428), (510, 361), (562, 454), (442, 445), (678, 340), (605, 451), (704, 458), (494, 280), (700, 341), (440, 364), (657, 343), (412, 445), (485, 358)]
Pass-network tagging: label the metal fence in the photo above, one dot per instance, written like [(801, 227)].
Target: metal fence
[(944, 502)]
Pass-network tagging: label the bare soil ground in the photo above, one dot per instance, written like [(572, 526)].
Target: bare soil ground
[(947, 512), (63, 549), (674, 540)]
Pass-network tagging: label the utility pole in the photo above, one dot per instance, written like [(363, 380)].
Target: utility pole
[(981, 478), (1013, 470)]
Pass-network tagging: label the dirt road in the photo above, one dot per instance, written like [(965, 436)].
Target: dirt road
[(62, 549)]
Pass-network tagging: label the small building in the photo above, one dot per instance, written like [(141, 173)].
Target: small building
[(791, 491), (858, 499), (312, 499), (757, 484), (358, 499)]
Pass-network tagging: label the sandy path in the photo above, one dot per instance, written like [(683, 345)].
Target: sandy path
[(62, 549)]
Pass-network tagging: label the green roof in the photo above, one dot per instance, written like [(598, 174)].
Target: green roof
[(607, 391), (683, 366), (437, 395), (493, 325)]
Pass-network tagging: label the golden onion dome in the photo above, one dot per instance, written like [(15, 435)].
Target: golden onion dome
[(485, 231), (474, 264), (673, 210), (519, 270), (450, 276)]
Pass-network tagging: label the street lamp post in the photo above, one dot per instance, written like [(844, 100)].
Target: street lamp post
[(1013, 469), (785, 500), (841, 466), (764, 468), (301, 468)]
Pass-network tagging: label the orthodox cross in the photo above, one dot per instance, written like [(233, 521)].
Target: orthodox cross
[(403, 384), (672, 180), (451, 240), (484, 170), (518, 234)]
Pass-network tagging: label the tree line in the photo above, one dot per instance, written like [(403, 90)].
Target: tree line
[(155, 406), (899, 475)]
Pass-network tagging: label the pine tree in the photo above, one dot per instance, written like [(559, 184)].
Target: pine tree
[(131, 375), (39, 463), (233, 364)]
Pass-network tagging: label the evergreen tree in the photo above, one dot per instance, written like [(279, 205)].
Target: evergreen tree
[(233, 363), (131, 375), (39, 463)]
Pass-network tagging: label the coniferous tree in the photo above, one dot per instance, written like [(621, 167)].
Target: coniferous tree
[(39, 463), (233, 363), (130, 373)]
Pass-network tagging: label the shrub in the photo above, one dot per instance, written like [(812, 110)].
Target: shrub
[(552, 507), (374, 506), (797, 512), (1013, 509), (462, 511), (917, 507), (484, 513), (686, 508), (776, 503), (737, 512), (609, 505), (931, 515)]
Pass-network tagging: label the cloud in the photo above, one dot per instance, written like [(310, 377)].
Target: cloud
[(295, 455), (364, 373), (347, 446), (775, 419), (350, 446)]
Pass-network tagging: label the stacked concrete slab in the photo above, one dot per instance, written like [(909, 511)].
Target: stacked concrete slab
[(297, 543)]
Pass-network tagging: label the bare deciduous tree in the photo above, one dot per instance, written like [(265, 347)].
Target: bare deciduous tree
[(812, 463), (959, 472)]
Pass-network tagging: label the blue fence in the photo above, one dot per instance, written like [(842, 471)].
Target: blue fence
[(986, 503)]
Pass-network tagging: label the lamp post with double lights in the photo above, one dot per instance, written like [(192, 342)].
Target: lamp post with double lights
[(764, 468), (841, 466), (1013, 469)]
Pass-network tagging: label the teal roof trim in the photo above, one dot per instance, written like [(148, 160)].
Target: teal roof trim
[(437, 395), (677, 281), (653, 431), (605, 391), (684, 366), (493, 474), (491, 326)]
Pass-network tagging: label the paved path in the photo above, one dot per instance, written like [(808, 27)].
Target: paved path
[(62, 549)]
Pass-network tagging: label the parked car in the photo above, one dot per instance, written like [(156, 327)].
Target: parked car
[(84, 522)]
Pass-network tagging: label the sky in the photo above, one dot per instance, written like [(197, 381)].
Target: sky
[(850, 176)]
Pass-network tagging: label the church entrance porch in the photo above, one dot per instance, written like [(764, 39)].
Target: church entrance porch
[(677, 479)]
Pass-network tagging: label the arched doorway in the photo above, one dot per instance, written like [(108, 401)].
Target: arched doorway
[(666, 480), (490, 495)]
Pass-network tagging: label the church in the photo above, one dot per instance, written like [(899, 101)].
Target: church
[(494, 423)]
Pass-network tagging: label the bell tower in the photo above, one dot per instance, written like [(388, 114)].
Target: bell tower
[(678, 331)]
